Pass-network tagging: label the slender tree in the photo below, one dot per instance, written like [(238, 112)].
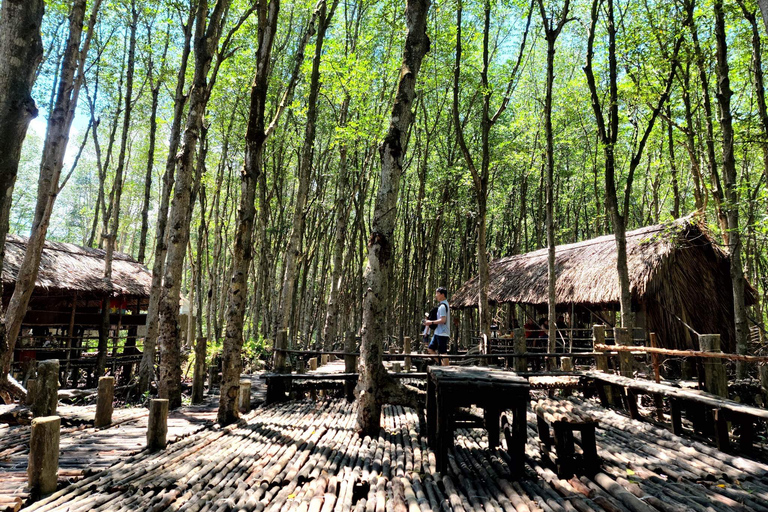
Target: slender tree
[(724, 94), (242, 253), (375, 387), (208, 29), (21, 50), (552, 29), (57, 137)]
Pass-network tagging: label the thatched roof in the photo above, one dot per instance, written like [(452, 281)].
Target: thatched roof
[(68, 268), (586, 271)]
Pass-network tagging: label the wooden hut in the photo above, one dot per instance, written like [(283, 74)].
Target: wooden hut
[(679, 275), (65, 312)]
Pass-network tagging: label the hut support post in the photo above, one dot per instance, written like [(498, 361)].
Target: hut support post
[(104, 407), (657, 398), (70, 339), (43, 467), (157, 426), (521, 363), (601, 361), (198, 378), (47, 394), (715, 380)]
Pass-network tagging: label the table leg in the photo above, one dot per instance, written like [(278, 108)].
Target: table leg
[(444, 433), (492, 417), (519, 435)]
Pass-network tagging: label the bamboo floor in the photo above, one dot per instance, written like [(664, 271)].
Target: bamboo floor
[(305, 456), (85, 449)]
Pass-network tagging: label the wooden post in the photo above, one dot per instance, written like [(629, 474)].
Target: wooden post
[(312, 364), (244, 398), (657, 398), (31, 391), (301, 366), (43, 467), (520, 347), (715, 380), (47, 395), (324, 359), (104, 407), (213, 374), (566, 365), (626, 362), (406, 351), (396, 367), (350, 364), (601, 362), (763, 370), (281, 344), (157, 425), (198, 377)]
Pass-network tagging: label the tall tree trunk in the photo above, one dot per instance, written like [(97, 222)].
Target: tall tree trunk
[(155, 91), (207, 34), (551, 31), (293, 250), (724, 94), (375, 388), (242, 252), (117, 187), (57, 137), (342, 216), (146, 368), (21, 50)]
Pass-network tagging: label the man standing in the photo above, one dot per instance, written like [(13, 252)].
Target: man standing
[(439, 344)]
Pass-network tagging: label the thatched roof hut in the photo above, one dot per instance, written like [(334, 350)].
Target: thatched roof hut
[(677, 272), (67, 268)]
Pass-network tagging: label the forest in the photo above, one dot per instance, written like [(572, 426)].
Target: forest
[(242, 150)]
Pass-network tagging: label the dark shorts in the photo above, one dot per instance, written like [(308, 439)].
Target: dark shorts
[(439, 344)]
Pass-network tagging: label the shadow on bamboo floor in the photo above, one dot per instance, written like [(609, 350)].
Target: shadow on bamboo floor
[(305, 455)]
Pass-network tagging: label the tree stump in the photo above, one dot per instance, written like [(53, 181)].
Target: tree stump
[(43, 467), (313, 364), (244, 397), (198, 377), (47, 394), (104, 407), (566, 365), (157, 425)]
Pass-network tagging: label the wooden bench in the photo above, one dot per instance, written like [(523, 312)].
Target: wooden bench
[(722, 410), (565, 419)]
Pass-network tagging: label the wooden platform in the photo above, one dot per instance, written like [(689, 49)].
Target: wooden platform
[(85, 450), (305, 456)]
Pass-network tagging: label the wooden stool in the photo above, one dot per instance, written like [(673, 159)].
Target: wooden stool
[(565, 420)]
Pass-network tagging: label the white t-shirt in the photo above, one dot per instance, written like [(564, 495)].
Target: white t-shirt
[(443, 310)]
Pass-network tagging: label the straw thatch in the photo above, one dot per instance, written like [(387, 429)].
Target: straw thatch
[(69, 268), (677, 274)]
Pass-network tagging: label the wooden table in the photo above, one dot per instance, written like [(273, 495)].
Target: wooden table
[(451, 387)]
